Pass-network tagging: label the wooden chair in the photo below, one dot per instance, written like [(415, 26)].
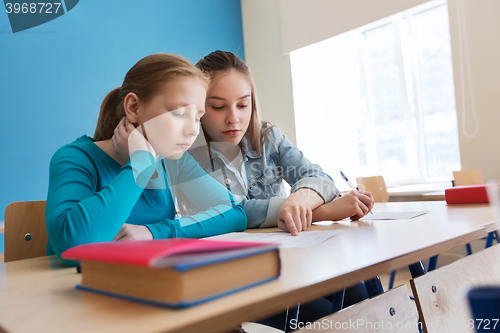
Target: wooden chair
[(441, 294), (467, 177), (392, 309), (375, 185), (25, 231)]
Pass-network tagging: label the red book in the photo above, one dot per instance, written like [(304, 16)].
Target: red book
[(174, 272), (467, 194)]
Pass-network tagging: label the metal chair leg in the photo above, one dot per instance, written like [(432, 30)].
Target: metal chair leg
[(291, 313), (489, 239), (432, 263), (416, 269), (338, 301), (374, 287), (391, 279), (468, 248)]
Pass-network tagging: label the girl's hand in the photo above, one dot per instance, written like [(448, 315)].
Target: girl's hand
[(128, 139), (120, 139), (293, 217), (133, 232), (354, 205), (137, 140)]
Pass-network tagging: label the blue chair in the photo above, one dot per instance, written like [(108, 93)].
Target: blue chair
[(485, 306)]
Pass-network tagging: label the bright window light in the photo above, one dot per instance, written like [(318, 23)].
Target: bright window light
[(380, 100)]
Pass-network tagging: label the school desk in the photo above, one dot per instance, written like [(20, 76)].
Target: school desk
[(418, 192), (39, 295)]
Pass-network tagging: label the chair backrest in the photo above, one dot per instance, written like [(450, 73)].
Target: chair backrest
[(468, 177), (375, 185), (25, 231), (441, 295), (392, 311)]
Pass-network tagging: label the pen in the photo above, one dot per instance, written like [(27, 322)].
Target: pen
[(350, 184), (348, 181)]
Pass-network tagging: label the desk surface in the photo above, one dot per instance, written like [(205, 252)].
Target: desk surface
[(418, 192), (39, 294), (418, 188)]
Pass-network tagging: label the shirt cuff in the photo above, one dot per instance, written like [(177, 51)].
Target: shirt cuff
[(325, 188), (162, 230), (272, 212)]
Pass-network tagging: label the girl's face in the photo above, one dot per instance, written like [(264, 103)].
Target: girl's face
[(171, 119), (228, 107)]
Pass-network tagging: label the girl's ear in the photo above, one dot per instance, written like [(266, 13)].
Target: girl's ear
[(131, 106)]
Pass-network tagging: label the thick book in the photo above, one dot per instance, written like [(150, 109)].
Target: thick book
[(467, 194), (174, 272)]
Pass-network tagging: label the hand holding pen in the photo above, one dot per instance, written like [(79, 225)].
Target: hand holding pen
[(351, 185)]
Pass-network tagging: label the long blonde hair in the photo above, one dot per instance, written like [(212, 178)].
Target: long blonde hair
[(222, 61), (144, 79)]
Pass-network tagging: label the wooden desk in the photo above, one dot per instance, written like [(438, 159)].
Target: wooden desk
[(39, 295), (418, 192)]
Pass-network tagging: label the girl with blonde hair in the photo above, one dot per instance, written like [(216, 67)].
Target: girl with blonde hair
[(122, 183)]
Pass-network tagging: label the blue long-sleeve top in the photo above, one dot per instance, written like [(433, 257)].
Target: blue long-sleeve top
[(91, 196)]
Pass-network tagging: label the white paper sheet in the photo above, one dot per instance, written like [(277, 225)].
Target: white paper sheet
[(285, 239), (392, 215)]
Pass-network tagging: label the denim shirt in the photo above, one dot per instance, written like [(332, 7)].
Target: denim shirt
[(259, 184)]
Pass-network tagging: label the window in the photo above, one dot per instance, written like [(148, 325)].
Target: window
[(380, 100)]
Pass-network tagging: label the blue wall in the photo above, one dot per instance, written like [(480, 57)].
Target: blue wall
[(53, 77)]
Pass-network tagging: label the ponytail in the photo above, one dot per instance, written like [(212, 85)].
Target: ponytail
[(110, 115)]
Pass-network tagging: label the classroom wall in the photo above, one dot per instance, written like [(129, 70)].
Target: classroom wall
[(53, 77), (271, 66), (479, 120), (306, 22)]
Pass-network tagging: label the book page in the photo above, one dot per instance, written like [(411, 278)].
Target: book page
[(284, 239)]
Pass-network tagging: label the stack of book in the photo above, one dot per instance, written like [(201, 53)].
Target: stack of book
[(174, 272)]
